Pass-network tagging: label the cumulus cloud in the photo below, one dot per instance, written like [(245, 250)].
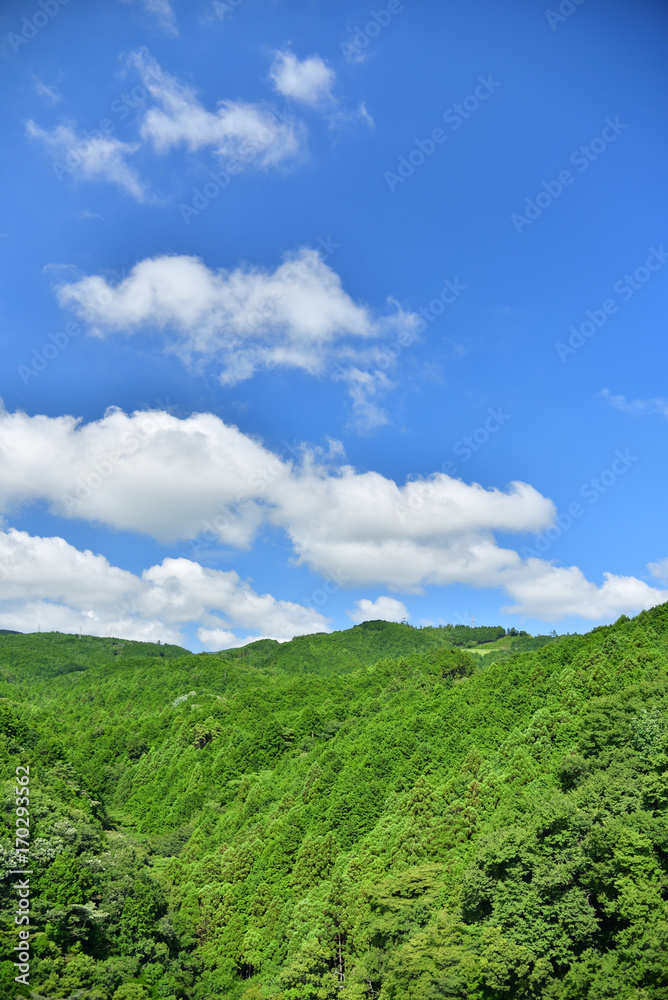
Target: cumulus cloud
[(551, 593), (47, 583), (148, 472), (237, 132), (201, 479), (247, 318), (298, 307), (214, 639), (386, 609), (309, 81), (97, 157), (52, 570), (367, 529), (43, 616), (178, 479)]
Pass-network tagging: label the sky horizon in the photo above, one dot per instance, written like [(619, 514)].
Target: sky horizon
[(312, 315)]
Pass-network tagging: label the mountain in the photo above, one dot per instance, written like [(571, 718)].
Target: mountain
[(386, 812)]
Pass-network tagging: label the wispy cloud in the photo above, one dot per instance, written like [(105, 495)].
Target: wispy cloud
[(233, 131), (366, 390), (659, 570), (97, 158), (162, 11), (636, 407), (346, 119), (50, 94)]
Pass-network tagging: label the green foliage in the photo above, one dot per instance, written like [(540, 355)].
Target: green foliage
[(67, 881), (385, 813)]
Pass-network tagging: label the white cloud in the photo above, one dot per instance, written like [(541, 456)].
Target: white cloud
[(43, 616), (636, 407), (296, 316), (239, 133), (94, 158), (551, 593), (180, 479), (47, 583), (299, 305), (215, 639), (179, 590), (386, 609), (50, 569), (162, 10), (659, 570), (366, 529), (344, 119), (200, 479), (50, 94), (365, 388), (176, 479), (149, 472), (309, 81)]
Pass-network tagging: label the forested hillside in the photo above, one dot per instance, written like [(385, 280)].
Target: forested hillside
[(377, 813)]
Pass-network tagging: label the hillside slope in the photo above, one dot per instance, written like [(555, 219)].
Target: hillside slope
[(370, 814)]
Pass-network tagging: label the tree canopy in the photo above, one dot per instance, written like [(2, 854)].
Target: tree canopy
[(386, 812)]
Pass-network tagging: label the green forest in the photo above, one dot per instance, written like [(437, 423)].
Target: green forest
[(383, 813)]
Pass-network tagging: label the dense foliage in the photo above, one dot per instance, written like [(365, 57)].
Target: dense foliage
[(377, 813)]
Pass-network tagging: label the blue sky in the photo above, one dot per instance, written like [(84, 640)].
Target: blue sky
[(312, 313)]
